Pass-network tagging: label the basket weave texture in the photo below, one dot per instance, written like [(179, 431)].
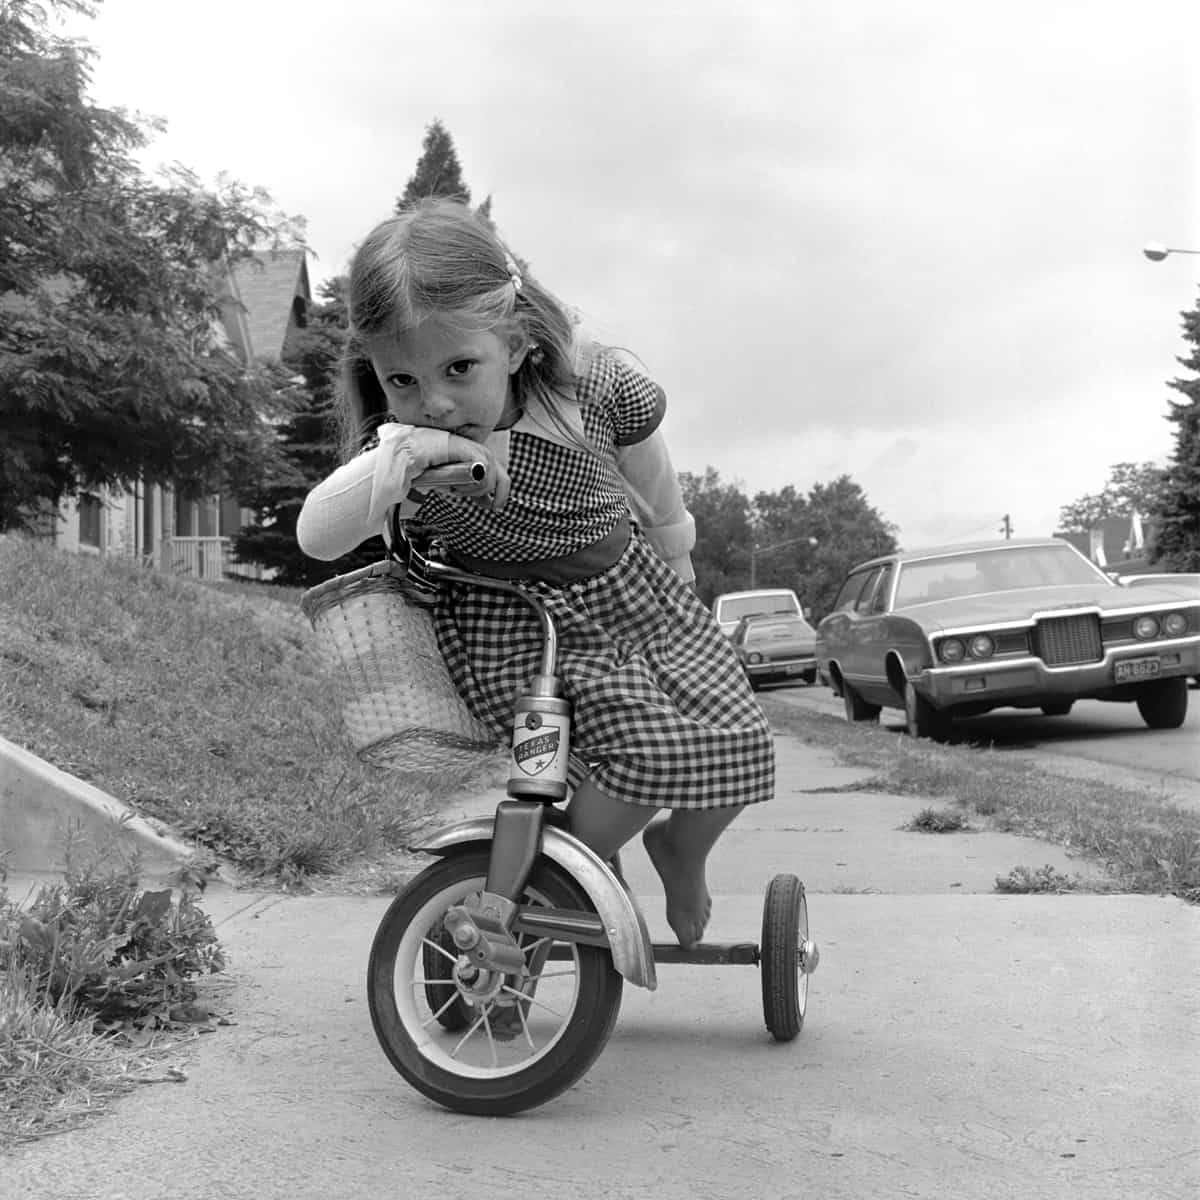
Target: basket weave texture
[(399, 704)]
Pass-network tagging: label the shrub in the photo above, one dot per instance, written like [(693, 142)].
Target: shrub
[(1045, 879), (937, 820), (98, 945)]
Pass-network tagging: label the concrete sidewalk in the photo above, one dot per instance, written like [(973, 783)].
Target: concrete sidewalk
[(959, 1043)]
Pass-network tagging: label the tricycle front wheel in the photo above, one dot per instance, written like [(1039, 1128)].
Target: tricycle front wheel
[(479, 1045)]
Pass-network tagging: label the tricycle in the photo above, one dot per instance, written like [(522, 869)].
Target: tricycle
[(495, 976)]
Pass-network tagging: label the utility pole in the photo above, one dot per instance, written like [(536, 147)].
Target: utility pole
[(1006, 528)]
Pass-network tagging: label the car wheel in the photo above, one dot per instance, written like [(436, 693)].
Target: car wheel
[(1164, 703), (858, 709), (1058, 709), (923, 720)]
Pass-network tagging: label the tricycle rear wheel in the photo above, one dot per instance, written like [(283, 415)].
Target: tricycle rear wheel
[(784, 981)]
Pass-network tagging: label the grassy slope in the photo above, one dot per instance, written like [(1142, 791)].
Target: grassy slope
[(202, 706)]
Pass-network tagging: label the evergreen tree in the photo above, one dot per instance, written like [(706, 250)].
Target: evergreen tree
[(308, 438), (310, 450), (1177, 545), (438, 172)]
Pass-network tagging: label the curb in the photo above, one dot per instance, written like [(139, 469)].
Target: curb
[(41, 807)]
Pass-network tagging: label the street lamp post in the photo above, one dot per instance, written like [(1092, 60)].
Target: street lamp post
[(1156, 251), (755, 551)]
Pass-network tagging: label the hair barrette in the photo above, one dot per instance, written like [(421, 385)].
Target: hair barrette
[(513, 273)]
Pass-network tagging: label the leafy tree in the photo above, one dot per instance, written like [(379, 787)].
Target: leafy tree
[(438, 172), (1131, 487), (1177, 544), (722, 514), (111, 367), (806, 543), (847, 530)]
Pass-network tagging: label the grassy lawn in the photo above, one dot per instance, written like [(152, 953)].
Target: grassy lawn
[(1147, 843), (201, 706)]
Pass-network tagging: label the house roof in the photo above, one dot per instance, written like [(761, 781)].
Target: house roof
[(269, 285)]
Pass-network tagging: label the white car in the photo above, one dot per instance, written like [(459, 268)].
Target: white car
[(730, 607), (1175, 579)]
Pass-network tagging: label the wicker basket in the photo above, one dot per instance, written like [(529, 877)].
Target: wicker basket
[(399, 703)]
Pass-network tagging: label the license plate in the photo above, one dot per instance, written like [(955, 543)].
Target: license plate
[(1136, 668), (792, 669)]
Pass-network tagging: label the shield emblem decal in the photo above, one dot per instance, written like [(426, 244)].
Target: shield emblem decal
[(535, 754)]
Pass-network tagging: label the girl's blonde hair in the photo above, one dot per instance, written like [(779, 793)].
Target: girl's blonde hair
[(441, 259)]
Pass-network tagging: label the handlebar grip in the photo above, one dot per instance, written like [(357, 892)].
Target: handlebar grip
[(451, 474)]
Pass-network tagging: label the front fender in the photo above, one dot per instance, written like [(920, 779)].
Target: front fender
[(628, 937)]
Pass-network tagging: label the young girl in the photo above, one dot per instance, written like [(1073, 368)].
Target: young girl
[(456, 353)]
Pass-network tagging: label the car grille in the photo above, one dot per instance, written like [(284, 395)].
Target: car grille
[(1064, 640)]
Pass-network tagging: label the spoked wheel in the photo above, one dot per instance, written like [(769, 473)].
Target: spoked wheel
[(485, 1043), (788, 958)]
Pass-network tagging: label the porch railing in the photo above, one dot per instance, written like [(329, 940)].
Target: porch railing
[(209, 558)]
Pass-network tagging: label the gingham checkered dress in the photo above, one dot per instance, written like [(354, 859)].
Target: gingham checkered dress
[(662, 713)]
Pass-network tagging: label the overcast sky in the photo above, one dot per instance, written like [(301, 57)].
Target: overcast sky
[(899, 241)]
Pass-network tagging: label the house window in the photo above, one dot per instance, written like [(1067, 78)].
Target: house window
[(90, 509), (231, 518)]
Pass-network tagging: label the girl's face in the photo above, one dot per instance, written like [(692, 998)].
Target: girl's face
[(443, 378)]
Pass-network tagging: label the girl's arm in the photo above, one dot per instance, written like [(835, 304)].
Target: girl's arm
[(657, 502), (350, 505)]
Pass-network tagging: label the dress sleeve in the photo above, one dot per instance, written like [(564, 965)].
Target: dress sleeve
[(349, 506), (656, 501), (635, 403)]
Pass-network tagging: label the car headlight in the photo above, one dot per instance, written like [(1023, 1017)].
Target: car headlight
[(982, 645), (952, 650), (1174, 624), (1145, 627), (754, 657)]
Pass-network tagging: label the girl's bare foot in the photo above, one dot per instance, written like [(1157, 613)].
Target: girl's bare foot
[(689, 905)]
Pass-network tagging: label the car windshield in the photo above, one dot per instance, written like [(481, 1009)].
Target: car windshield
[(734, 608), (981, 571)]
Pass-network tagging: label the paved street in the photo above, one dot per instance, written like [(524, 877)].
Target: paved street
[(959, 1043), (1107, 741)]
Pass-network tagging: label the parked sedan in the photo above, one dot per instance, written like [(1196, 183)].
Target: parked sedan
[(1031, 623), (776, 646), (1184, 579)]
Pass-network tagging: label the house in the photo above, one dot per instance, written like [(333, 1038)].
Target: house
[(266, 301), (1115, 542)]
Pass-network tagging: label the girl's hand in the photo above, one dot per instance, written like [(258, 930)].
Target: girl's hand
[(491, 489)]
